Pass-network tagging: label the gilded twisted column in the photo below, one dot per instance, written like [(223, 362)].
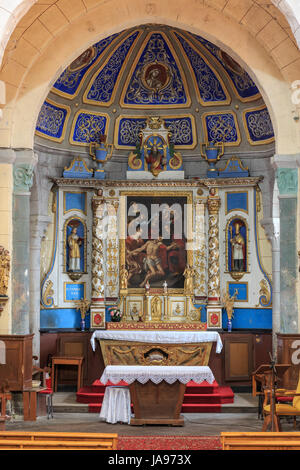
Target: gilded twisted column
[(199, 249), (112, 284), (98, 249), (213, 204)]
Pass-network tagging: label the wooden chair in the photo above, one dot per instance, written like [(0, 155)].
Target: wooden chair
[(281, 409)]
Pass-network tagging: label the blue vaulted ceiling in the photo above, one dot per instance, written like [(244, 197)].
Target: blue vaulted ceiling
[(198, 89)]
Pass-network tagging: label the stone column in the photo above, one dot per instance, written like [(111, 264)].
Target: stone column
[(272, 229), (7, 157), (287, 180), (38, 227), (214, 309), (23, 178)]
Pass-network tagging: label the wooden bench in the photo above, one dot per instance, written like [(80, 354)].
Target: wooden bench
[(260, 440), (27, 440)]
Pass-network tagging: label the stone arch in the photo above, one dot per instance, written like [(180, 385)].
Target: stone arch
[(41, 52)]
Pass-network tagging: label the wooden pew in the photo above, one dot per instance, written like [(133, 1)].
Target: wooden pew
[(27, 440), (260, 440)]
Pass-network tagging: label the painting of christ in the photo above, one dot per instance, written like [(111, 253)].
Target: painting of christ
[(155, 244)]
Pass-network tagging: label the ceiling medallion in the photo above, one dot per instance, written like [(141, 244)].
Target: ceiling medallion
[(156, 76)]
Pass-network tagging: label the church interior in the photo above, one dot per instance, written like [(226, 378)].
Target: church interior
[(149, 235)]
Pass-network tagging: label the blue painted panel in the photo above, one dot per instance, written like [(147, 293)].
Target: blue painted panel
[(210, 87), (241, 80), (51, 120), (75, 201), (103, 86), (181, 129), (250, 318), (70, 79), (61, 318), (259, 125), (241, 289), (88, 128), (236, 201), (221, 128), (157, 57), (74, 291)]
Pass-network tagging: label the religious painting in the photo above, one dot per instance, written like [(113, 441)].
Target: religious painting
[(155, 245), (237, 246), (155, 76), (75, 246)]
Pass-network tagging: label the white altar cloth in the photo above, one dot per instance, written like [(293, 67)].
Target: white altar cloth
[(157, 374), (159, 337), (116, 405)]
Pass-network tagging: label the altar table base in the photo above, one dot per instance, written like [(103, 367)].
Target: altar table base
[(157, 403)]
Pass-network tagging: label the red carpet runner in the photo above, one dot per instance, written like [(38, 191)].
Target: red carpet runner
[(198, 398), (169, 443)]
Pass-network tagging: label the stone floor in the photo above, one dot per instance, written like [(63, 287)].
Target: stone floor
[(70, 416)]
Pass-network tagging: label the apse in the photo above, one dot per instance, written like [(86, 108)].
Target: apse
[(200, 92)]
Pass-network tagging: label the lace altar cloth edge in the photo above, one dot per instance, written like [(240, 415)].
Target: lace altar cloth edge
[(157, 374)]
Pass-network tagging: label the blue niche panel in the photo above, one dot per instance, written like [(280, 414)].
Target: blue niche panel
[(249, 318), (74, 201), (101, 88), (52, 120), (61, 318), (236, 201), (87, 127), (157, 79), (221, 127), (74, 291), (242, 83), (68, 84), (209, 86), (182, 130), (258, 125), (241, 288)]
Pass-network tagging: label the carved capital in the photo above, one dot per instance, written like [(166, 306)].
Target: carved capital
[(96, 203), (213, 205), (23, 177)]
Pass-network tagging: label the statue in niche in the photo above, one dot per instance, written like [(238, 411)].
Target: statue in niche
[(74, 242), (155, 159), (237, 258)]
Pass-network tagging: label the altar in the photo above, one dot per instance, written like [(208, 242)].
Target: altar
[(157, 392), (153, 348), (156, 365)]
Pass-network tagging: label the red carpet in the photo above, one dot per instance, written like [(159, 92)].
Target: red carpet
[(169, 443), (198, 398)]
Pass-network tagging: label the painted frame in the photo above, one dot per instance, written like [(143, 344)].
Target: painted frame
[(162, 196)]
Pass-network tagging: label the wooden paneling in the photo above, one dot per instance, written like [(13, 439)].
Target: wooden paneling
[(238, 357), (74, 344), (234, 370), (287, 346), (17, 369)]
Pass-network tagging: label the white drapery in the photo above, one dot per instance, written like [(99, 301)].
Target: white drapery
[(159, 337), (116, 405)]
